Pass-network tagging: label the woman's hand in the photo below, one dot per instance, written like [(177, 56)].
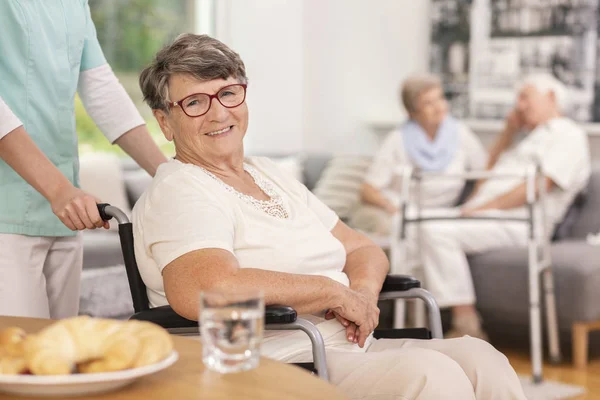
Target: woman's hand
[(358, 313), (77, 209)]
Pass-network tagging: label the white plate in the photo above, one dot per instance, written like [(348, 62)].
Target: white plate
[(78, 384)]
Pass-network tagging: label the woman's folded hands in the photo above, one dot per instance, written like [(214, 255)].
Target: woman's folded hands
[(358, 312)]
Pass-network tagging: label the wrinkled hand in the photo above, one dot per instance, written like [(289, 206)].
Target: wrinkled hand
[(359, 314), (77, 209)]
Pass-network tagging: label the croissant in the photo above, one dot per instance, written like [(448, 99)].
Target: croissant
[(95, 345), (11, 351)]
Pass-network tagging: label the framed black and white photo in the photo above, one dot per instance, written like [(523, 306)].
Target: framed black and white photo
[(483, 48)]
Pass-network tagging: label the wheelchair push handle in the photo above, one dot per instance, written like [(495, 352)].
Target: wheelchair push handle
[(107, 212)]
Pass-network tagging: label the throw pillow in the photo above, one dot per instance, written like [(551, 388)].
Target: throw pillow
[(291, 165), (339, 185)]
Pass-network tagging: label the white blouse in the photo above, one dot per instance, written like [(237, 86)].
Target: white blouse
[(185, 209)]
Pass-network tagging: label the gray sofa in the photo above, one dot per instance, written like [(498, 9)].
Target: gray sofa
[(500, 276), (501, 285)]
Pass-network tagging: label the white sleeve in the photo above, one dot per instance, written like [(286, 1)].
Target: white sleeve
[(107, 102), (8, 121), (381, 171), (567, 158), (476, 154), (326, 215), (176, 225)]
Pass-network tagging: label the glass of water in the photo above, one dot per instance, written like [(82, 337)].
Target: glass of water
[(231, 328)]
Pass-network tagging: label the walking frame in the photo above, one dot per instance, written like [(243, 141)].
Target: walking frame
[(538, 245)]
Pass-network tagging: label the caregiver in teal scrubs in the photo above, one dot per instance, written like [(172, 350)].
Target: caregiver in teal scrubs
[(49, 51)]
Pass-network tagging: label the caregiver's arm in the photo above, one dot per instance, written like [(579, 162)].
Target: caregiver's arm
[(111, 108), (75, 208), (138, 143)]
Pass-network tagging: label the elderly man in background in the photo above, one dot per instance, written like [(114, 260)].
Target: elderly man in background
[(558, 145)]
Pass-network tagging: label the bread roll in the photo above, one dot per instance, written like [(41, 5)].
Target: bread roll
[(97, 345), (11, 351)]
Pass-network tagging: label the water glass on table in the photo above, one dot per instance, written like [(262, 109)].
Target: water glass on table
[(231, 329)]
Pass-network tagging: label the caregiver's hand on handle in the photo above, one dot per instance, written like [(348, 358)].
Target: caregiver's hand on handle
[(77, 209)]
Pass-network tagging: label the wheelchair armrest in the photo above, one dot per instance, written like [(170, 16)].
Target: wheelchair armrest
[(278, 314), (399, 283), (167, 318)]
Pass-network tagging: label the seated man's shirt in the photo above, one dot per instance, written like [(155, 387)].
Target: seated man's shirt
[(561, 147), (470, 155), (185, 209)]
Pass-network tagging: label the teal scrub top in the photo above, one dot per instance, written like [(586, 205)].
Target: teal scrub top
[(44, 45)]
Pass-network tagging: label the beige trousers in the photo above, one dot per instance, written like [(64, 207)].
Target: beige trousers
[(40, 276), (406, 369)]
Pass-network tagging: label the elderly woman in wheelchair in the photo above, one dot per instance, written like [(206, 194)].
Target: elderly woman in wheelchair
[(215, 219)]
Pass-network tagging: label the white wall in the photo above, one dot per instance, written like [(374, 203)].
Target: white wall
[(268, 36), (356, 54), (322, 71)]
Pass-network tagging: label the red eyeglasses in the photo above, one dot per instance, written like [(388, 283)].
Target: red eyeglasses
[(198, 104)]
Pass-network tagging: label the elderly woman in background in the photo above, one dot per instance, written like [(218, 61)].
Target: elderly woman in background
[(213, 219), (431, 140)]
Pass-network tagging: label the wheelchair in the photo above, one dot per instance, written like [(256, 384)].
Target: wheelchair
[(277, 317)]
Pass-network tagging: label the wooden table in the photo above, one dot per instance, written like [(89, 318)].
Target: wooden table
[(188, 379)]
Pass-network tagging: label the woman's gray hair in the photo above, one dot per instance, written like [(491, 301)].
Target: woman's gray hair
[(415, 86), (200, 56)]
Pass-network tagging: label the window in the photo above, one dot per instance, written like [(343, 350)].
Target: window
[(130, 33)]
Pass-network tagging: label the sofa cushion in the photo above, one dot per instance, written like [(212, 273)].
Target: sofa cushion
[(105, 293), (314, 165), (588, 220), (501, 283), (136, 182), (291, 165), (101, 248), (339, 185)]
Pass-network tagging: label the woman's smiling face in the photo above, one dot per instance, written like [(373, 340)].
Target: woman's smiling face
[(218, 134)]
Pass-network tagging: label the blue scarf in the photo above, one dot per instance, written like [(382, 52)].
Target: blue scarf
[(431, 155)]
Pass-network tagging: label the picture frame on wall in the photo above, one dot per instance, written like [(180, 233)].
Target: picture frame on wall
[(482, 49)]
